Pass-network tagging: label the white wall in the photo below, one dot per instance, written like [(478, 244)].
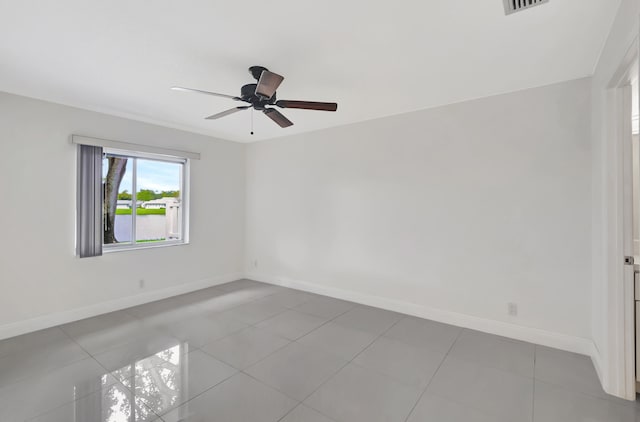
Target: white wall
[(41, 281), (449, 213), (443, 213), (604, 182)]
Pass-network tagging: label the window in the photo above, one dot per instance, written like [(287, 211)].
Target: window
[(143, 199), (128, 198)]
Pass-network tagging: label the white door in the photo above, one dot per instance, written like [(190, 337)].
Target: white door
[(631, 100), (629, 234)]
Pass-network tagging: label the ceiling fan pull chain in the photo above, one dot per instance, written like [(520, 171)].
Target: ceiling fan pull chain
[(252, 121)]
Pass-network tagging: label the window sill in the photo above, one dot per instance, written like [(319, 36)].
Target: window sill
[(122, 248)]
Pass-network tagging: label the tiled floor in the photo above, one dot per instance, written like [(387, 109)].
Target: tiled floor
[(247, 351)]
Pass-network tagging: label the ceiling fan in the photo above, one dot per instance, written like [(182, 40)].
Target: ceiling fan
[(262, 97)]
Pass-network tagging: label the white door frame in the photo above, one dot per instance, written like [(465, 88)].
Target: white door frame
[(619, 377)]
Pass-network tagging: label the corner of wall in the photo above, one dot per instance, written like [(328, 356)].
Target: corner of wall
[(541, 337), (597, 360), (51, 320)]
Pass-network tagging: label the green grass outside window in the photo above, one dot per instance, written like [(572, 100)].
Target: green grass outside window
[(142, 211)]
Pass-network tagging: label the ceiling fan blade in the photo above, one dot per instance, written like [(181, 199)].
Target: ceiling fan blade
[(307, 105), (277, 117), (268, 84), (199, 91), (227, 112)]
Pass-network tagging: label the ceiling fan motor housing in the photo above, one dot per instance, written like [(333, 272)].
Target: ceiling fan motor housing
[(248, 94)]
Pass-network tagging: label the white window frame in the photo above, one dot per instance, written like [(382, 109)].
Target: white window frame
[(184, 197)]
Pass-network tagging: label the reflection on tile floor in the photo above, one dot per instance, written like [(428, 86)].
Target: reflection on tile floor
[(247, 351)]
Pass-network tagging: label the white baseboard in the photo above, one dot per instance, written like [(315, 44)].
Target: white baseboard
[(64, 317), (565, 342), (534, 335), (596, 358)]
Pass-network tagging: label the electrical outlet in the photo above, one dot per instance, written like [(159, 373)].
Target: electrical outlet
[(141, 283), (512, 309)]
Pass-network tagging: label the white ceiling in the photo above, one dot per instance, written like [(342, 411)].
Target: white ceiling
[(375, 58)]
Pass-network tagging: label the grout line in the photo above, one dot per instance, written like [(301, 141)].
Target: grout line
[(334, 373), (196, 396), (349, 362), (343, 366), (299, 402), (256, 362), (254, 325), (434, 375), (290, 410), (109, 373), (289, 342), (59, 405), (608, 398), (165, 331), (302, 404), (355, 305), (237, 371), (111, 348), (200, 308), (456, 401), (44, 371), (163, 328), (604, 396)]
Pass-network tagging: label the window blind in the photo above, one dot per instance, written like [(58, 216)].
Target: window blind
[(89, 213)]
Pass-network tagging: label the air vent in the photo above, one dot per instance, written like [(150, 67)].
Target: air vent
[(512, 6)]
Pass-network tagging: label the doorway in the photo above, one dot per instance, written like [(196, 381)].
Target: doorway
[(631, 98), (626, 352)]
